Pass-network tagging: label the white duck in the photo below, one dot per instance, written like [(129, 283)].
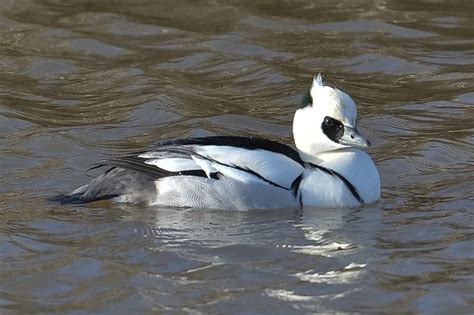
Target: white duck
[(326, 170)]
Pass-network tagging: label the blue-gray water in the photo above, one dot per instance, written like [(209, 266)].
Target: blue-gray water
[(82, 80)]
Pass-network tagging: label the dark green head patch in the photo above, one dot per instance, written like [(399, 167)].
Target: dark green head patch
[(307, 100)]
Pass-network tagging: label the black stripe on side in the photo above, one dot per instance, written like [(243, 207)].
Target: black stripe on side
[(295, 186), (348, 184)]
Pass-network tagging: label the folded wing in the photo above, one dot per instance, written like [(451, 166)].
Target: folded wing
[(243, 159)]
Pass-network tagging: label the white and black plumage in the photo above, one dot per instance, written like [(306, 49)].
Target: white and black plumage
[(241, 173)]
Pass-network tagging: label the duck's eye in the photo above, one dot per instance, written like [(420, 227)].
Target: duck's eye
[(332, 128), (328, 121)]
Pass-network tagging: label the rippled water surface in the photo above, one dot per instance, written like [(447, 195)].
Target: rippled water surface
[(81, 80)]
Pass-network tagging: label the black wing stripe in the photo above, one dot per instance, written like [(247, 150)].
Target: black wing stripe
[(241, 169), (348, 184), (249, 143), (189, 151)]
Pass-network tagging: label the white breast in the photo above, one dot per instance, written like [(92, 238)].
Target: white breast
[(325, 190)]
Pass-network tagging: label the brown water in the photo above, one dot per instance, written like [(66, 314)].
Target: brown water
[(81, 80)]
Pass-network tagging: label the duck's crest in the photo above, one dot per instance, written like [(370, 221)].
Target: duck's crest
[(318, 81), (307, 99)]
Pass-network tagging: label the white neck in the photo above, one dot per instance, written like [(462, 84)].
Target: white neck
[(309, 138)]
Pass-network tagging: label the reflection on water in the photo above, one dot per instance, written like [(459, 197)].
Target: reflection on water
[(85, 79)]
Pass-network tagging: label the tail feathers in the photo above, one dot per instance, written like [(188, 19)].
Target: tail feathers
[(77, 199), (133, 186)]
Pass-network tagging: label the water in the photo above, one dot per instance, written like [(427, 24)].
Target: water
[(82, 80)]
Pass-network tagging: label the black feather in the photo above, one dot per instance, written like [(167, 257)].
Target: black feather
[(295, 186)]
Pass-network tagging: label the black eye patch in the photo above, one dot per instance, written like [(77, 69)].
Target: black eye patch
[(332, 128)]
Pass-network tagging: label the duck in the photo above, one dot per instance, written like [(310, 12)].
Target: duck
[(327, 168)]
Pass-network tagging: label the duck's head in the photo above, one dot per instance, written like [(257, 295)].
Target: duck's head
[(326, 121)]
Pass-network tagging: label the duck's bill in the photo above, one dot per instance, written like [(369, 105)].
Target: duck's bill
[(353, 138)]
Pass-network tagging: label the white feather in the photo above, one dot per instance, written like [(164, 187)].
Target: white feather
[(226, 193), (272, 166), (174, 164), (153, 155), (358, 168), (206, 165), (318, 81), (234, 162)]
